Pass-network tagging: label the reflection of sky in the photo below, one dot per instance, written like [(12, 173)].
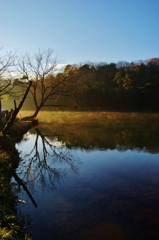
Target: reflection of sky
[(115, 162), (95, 161), (104, 179), (27, 144)]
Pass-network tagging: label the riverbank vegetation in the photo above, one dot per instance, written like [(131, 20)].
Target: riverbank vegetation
[(10, 227)]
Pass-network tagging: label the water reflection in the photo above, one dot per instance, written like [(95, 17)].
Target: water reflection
[(106, 131), (43, 163), (115, 193)]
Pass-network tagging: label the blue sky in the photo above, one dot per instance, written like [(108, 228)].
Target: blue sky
[(82, 30)]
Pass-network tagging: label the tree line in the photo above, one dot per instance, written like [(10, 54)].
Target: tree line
[(116, 87), (89, 86)]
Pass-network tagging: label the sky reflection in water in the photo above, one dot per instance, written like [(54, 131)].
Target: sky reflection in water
[(99, 194), (110, 186)]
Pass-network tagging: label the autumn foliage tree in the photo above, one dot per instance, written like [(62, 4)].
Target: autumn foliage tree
[(122, 86)]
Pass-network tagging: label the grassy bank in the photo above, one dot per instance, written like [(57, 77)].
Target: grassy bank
[(9, 159)]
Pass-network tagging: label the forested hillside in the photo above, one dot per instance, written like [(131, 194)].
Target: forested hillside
[(118, 87), (106, 87)]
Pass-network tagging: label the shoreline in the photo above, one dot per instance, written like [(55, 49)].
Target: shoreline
[(10, 226)]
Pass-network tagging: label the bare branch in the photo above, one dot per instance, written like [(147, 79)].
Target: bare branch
[(41, 69), (7, 61)]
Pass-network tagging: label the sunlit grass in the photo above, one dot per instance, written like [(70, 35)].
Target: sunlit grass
[(66, 117), (102, 129)]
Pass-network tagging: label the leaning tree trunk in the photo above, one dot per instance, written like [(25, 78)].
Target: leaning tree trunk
[(21, 183), (15, 112), (36, 112), (32, 117), (0, 111)]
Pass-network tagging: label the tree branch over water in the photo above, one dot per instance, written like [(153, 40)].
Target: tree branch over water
[(46, 163), (21, 183)]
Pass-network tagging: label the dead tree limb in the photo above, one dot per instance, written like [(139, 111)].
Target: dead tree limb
[(15, 112), (20, 182)]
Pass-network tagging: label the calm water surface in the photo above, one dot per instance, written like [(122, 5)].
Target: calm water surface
[(91, 177)]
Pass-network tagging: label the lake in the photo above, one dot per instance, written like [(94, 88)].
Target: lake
[(90, 175)]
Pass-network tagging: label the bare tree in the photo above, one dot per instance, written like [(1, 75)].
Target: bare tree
[(46, 87), (46, 163), (7, 62)]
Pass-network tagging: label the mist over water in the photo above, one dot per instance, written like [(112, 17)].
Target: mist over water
[(92, 176)]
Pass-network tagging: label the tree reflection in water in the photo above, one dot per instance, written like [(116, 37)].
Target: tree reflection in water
[(122, 187), (44, 165)]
